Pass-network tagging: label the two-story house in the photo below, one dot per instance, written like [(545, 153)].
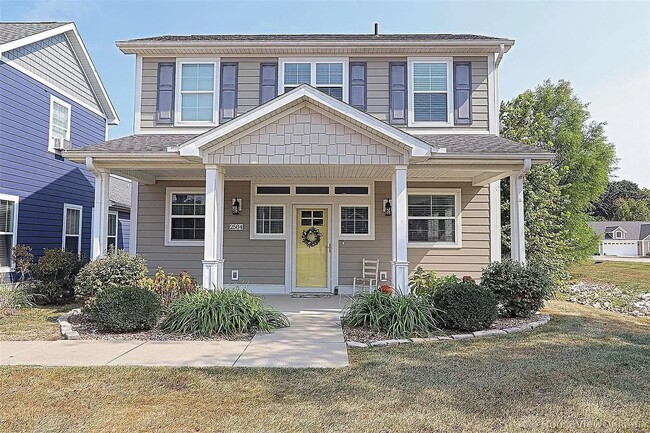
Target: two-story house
[(280, 162), (51, 100)]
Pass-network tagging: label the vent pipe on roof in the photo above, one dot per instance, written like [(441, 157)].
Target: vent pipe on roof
[(376, 29)]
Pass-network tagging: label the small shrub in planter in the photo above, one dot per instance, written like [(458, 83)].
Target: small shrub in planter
[(117, 269), (54, 277), (398, 316), (465, 306), (520, 289), (125, 309), (225, 312)]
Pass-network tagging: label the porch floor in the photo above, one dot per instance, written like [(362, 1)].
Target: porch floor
[(314, 340)]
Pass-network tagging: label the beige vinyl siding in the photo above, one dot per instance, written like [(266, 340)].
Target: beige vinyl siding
[(151, 232), (259, 261), (149, 91), (248, 81), (475, 252), (377, 84), (352, 252)]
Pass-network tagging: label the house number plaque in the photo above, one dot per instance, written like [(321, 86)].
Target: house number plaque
[(236, 227)]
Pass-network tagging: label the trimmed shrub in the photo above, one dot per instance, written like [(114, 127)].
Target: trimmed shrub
[(520, 289), (117, 269), (125, 309), (54, 277), (465, 306), (225, 312), (398, 316)]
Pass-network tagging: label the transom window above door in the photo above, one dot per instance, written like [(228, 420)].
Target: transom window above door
[(328, 76)]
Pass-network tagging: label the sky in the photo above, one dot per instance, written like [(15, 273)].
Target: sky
[(602, 48)]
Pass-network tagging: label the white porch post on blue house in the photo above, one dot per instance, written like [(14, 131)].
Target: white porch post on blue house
[(214, 218), (100, 211), (400, 264)]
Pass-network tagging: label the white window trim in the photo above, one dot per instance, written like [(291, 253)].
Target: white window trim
[(313, 60), (177, 92), (14, 238), (53, 99), (456, 192), (618, 234), (371, 222), (67, 206), (117, 227), (449, 61), (168, 217), (253, 222)]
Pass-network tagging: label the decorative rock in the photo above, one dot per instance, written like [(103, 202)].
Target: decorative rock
[(462, 336), (534, 325), (72, 335), (513, 330), (356, 344), (489, 333), (418, 340), (380, 343)]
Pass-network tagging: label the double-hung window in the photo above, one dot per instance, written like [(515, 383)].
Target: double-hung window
[(8, 229), (430, 84), (113, 222), (196, 92), (72, 223), (60, 113), (327, 75), (185, 219), (434, 218)]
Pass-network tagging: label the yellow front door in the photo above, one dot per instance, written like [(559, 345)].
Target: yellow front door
[(311, 248)]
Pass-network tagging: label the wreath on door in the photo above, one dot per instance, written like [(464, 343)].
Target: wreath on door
[(311, 237)]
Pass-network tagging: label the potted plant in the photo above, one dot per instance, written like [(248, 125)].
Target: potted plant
[(386, 288)]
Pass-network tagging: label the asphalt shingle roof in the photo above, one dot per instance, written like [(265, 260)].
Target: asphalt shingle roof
[(636, 230), (477, 143), (318, 37), (454, 143), (12, 31)]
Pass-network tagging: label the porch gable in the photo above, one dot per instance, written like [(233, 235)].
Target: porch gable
[(305, 136)]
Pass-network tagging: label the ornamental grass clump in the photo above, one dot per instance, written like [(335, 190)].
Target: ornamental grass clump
[(227, 312), (398, 316)]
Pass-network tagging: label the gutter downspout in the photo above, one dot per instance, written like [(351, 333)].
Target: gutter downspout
[(500, 56)]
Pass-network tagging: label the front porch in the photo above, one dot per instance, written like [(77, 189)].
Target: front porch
[(293, 195)]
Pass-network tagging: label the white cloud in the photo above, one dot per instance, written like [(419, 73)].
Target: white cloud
[(624, 103)]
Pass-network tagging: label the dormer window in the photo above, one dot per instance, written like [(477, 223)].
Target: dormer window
[(327, 75), (618, 234)]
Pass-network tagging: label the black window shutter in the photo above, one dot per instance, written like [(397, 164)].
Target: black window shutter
[(165, 93), (462, 93), (358, 85), (268, 82), (228, 92), (397, 93)]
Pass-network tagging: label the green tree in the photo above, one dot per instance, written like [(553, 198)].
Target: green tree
[(632, 210), (557, 196), (606, 205)]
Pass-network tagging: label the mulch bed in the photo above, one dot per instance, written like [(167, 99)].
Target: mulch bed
[(87, 330), (365, 335)]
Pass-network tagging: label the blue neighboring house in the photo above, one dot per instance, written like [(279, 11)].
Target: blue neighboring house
[(51, 99)]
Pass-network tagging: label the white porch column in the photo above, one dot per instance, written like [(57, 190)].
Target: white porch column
[(400, 264), (214, 217), (517, 238), (100, 214), (133, 220)]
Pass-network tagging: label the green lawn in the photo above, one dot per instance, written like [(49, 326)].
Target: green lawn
[(37, 323), (631, 278), (585, 371)]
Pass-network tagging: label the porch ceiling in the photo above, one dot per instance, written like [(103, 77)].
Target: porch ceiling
[(477, 174)]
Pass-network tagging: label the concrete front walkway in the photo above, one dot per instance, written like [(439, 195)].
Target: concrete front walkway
[(315, 339)]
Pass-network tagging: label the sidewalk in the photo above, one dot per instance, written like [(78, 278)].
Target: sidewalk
[(314, 340)]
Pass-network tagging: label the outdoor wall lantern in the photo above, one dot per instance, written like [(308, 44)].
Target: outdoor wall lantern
[(388, 209), (236, 206)]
